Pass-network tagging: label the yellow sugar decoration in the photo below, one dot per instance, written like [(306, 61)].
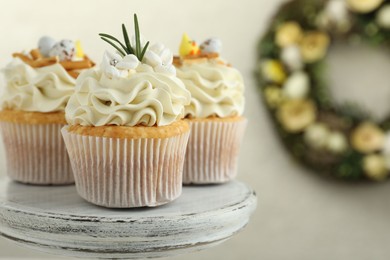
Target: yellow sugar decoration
[(79, 50), (188, 46)]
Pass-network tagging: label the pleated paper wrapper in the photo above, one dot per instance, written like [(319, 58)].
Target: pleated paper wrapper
[(212, 151), (127, 173), (36, 153)]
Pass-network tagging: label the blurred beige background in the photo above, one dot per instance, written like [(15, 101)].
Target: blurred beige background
[(300, 215)]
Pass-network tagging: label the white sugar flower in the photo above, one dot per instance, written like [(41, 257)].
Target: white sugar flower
[(110, 59), (157, 56), (164, 53), (108, 64), (160, 58), (115, 66), (112, 72), (383, 17), (291, 57), (129, 62), (297, 85), (157, 47), (166, 56), (151, 58)]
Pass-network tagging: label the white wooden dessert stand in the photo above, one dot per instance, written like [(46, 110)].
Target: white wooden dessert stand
[(57, 220)]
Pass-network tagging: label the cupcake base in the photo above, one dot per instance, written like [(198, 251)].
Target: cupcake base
[(120, 172), (35, 151), (36, 154), (213, 149)]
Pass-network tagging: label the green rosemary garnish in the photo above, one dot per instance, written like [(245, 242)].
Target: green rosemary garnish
[(126, 47)]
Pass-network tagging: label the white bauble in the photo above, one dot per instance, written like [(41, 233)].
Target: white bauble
[(316, 135), (383, 17), (363, 6), (336, 11), (297, 85), (337, 142), (291, 57)]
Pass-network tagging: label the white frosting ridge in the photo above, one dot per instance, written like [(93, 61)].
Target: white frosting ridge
[(216, 89), (45, 89), (143, 97)]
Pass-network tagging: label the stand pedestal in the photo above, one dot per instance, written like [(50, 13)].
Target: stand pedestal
[(57, 220)]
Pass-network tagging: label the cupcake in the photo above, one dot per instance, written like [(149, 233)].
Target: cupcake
[(38, 84), (125, 137), (214, 114)]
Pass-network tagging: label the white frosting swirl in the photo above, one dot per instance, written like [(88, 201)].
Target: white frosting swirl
[(143, 97), (216, 89), (45, 89)]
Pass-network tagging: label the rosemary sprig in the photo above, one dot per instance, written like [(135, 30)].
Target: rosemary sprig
[(111, 38), (126, 38), (126, 48), (144, 50), (137, 37), (114, 45)]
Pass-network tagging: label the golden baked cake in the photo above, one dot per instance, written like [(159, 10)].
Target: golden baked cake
[(214, 113), (126, 137), (38, 85)]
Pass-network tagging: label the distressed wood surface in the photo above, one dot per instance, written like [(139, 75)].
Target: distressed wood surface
[(56, 220)]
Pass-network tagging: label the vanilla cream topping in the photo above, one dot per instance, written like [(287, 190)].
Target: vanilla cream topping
[(141, 96), (216, 89), (45, 89)]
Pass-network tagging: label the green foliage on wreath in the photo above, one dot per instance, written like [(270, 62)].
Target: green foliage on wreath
[(343, 140)]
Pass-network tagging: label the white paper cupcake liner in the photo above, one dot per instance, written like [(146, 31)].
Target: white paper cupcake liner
[(36, 153), (126, 173), (212, 151)]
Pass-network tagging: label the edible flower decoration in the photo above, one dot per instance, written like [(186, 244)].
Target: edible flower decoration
[(133, 53), (67, 53)]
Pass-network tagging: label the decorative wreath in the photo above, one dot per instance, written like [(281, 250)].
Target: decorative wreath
[(339, 140)]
